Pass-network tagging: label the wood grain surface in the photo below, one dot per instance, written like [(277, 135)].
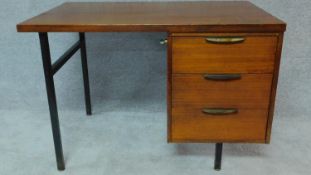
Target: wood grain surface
[(252, 91), (194, 55), (274, 86), (191, 125), (154, 16)]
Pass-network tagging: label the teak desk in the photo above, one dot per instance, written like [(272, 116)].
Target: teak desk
[(223, 63)]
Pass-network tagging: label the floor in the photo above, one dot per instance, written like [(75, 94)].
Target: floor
[(134, 142)]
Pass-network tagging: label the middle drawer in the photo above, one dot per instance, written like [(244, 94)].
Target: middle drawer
[(249, 91)]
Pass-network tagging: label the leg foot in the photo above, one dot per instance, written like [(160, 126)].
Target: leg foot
[(61, 166)]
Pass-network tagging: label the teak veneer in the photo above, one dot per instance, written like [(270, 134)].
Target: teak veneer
[(210, 16), (255, 55), (222, 63)]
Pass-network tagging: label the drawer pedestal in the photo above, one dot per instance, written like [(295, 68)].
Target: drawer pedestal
[(221, 86)]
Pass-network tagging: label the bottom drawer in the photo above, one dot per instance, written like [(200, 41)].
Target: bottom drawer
[(248, 125)]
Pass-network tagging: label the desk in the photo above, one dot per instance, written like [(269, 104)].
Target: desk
[(223, 63)]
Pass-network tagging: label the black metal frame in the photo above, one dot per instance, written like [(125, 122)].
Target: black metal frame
[(49, 71), (218, 156)]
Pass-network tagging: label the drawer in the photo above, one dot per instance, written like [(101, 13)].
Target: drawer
[(223, 54), (195, 98), (250, 91), (192, 125)]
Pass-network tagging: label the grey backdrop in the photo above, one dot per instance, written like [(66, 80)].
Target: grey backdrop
[(127, 75)]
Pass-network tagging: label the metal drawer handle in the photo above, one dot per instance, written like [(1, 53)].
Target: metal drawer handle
[(163, 41), (222, 77), (220, 111), (225, 40)]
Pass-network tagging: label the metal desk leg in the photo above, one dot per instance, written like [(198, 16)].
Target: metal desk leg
[(85, 75), (218, 155), (48, 73)]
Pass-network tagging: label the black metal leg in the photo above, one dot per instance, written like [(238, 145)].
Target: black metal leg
[(218, 155), (48, 72), (85, 75)]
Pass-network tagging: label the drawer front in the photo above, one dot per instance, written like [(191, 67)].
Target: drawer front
[(192, 125), (223, 54), (250, 91), (195, 100)]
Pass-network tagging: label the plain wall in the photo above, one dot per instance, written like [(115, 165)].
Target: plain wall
[(128, 70)]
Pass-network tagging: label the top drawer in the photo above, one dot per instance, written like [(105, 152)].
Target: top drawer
[(224, 54)]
